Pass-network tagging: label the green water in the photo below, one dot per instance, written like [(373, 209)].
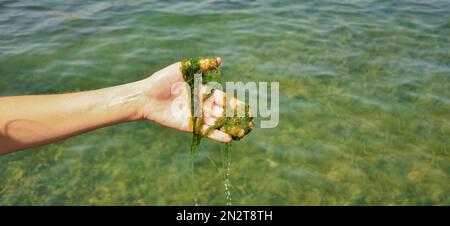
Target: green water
[(364, 101)]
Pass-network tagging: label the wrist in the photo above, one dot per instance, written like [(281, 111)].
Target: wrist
[(127, 101)]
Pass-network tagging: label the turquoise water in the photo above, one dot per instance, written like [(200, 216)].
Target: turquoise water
[(364, 101)]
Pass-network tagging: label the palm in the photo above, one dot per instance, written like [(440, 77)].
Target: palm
[(169, 100)]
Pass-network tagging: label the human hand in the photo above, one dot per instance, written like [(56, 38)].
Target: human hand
[(165, 91)]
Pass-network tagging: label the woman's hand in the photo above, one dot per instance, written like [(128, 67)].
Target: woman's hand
[(35, 120), (167, 101)]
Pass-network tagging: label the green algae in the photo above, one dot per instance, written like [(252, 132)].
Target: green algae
[(349, 133), (237, 127)]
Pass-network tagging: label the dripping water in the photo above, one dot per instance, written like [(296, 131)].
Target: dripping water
[(226, 164), (194, 181)]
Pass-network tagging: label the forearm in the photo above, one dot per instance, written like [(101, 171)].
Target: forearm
[(30, 121)]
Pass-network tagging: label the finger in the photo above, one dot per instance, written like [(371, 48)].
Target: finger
[(219, 98), (220, 136), (215, 111), (210, 121), (235, 103), (217, 135), (219, 61), (209, 63), (208, 103)]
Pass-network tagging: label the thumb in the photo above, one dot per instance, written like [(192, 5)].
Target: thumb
[(209, 63)]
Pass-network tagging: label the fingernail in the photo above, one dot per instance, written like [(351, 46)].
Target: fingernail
[(218, 60)]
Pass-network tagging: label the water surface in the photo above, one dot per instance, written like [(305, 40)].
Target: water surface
[(364, 104)]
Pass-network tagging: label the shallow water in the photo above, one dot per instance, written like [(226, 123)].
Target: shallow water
[(364, 104)]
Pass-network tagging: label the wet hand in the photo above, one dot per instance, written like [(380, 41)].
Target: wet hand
[(167, 101)]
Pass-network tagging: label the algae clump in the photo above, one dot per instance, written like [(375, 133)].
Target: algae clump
[(237, 126)]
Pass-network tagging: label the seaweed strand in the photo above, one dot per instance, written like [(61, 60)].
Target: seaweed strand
[(236, 127)]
